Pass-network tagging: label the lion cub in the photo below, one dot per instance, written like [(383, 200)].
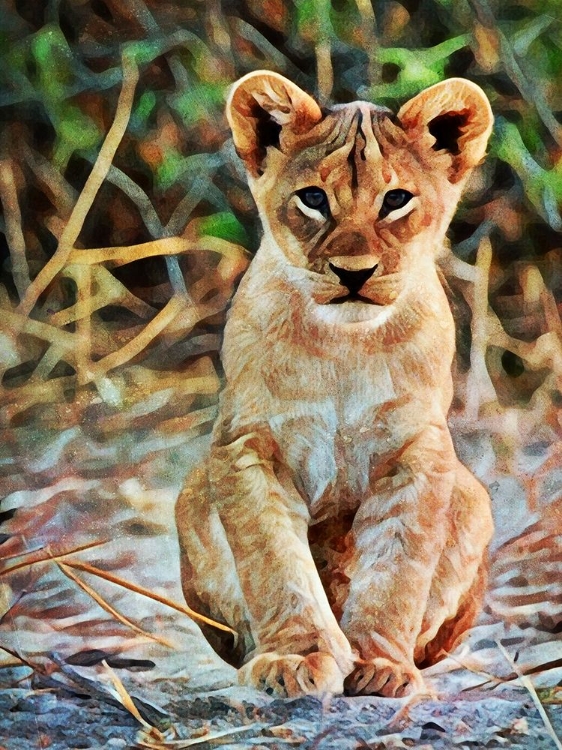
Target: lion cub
[(333, 526)]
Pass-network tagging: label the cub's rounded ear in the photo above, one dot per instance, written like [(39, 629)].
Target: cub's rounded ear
[(260, 105), (457, 115)]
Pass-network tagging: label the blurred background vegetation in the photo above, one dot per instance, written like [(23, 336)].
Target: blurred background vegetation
[(175, 175)]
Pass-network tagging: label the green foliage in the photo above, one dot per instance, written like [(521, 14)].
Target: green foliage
[(225, 226), (145, 107), (313, 19), (543, 187), (199, 101), (417, 68)]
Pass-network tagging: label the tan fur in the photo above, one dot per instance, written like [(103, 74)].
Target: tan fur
[(333, 526)]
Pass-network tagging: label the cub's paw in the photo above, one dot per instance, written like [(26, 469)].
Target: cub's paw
[(381, 676), (290, 676)]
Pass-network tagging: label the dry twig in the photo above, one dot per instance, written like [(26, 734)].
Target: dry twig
[(529, 90), (93, 183), (14, 232)]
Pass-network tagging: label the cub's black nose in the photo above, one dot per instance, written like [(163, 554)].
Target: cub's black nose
[(353, 280)]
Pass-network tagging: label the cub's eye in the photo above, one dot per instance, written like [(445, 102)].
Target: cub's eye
[(315, 198), (394, 199)]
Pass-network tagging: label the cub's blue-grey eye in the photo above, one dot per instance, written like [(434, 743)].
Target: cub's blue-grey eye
[(394, 199), (315, 197)]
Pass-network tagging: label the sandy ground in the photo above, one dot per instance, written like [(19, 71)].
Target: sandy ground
[(245, 719)]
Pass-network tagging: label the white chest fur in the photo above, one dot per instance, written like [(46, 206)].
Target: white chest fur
[(323, 417)]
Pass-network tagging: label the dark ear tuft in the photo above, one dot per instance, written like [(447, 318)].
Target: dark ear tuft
[(267, 131), (447, 130)]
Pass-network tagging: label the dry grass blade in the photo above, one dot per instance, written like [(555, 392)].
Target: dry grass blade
[(149, 734), (124, 696), (550, 696), (13, 555), (180, 744), (109, 608), (490, 678), (184, 609), (17, 656), (526, 682), (93, 183), (48, 557), (87, 568)]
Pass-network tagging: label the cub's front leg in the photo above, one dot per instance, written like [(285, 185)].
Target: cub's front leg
[(300, 648), (398, 533)]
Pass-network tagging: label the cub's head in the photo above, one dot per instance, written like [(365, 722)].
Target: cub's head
[(359, 197)]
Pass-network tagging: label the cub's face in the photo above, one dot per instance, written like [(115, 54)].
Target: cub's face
[(355, 195)]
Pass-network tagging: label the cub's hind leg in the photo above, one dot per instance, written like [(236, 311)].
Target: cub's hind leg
[(208, 571), (452, 630), (460, 578)]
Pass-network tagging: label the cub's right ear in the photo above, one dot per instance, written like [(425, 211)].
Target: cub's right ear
[(260, 106), (454, 115)]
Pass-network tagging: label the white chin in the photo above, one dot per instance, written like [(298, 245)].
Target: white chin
[(353, 312)]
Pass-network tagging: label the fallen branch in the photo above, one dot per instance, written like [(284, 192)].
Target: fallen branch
[(109, 291), (529, 90), (60, 192), (479, 386), (14, 321), (370, 41)]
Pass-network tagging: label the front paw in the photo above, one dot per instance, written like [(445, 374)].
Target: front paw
[(291, 675), (381, 676)]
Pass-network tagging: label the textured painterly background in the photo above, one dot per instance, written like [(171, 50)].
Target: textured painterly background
[(126, 225)]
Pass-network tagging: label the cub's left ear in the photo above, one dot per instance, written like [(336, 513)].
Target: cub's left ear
[(458, 116)]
